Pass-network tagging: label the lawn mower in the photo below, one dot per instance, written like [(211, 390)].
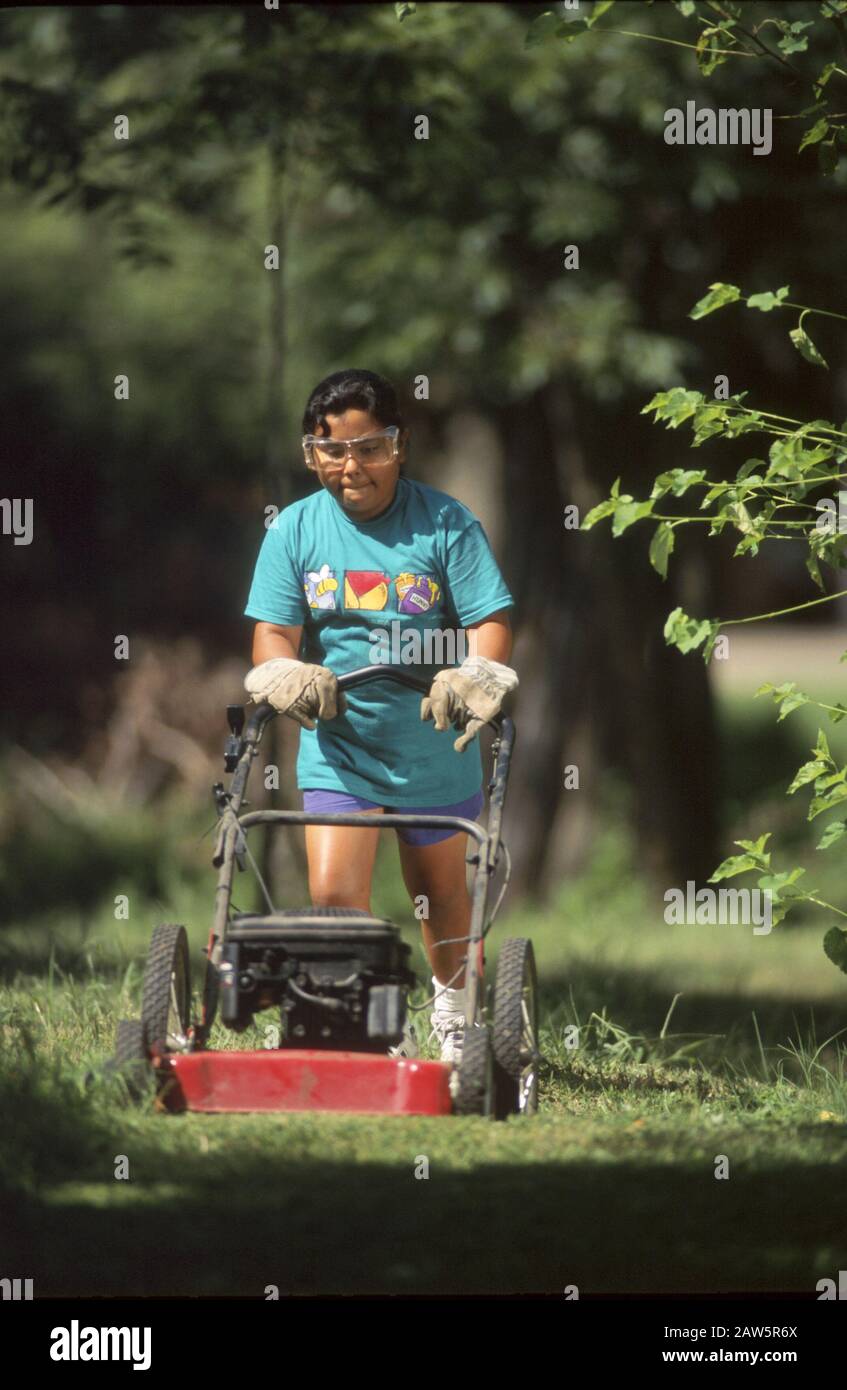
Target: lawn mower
[(340, 978)]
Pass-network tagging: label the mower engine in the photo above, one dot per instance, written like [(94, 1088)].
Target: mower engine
[(341, 983)]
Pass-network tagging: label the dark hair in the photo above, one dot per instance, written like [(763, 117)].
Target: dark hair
[(352, 389)]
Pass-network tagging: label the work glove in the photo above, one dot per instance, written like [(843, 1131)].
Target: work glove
[(302, 691), (467, 696)]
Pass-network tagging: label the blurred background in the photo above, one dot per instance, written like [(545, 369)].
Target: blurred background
[(438, 261)]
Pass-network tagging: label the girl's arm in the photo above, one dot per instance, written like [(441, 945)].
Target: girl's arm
[(492, 637), (271, 640)]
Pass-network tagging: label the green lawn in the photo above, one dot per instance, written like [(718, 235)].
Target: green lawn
[(610, 1187)]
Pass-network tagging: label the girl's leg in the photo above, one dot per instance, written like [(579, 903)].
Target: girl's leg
[(341, 860), (439, 873)]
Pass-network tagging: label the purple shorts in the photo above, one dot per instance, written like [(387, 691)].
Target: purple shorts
[(325, 802)]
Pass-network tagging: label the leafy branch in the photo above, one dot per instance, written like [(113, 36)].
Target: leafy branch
[(801, 459), (726, 34)]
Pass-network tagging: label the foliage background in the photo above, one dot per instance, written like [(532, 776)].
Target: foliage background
[(445, 259)]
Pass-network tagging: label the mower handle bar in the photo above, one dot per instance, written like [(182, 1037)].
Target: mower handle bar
[(488, 842), (265, 711)]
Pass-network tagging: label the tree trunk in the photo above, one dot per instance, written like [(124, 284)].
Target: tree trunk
[(540, 560), (599, 688), (283, 860)]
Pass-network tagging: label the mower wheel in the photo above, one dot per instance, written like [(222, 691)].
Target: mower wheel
[(472, 1082), (166, 995), (515, 1030), (132, 1059)]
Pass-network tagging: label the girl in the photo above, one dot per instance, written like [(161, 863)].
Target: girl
[(372, 553)]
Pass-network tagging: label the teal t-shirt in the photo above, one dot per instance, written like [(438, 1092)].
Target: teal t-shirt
[(396, 590)]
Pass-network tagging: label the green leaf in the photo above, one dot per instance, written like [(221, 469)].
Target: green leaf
[(835, 946), (719, 489), (819, 804), (716, 528), (707, 48), (675, 405), (814, 569), (830, 548), (711, 639), (790, 703), (815, 133), (806, 347), (825, 75), (829, 780), (677, 481), (600, 8), (789, 457), (687, 633), (807, 773), (629, 512), (754, 858), (833, 832), (837, 713), (741, 517), (660, 548), (709, 420), (794, 41), (605, 508), (736, 864), (768, 300), (782, 885), (743, 424), (544, 26), (404, 9), (822, 745), (787, 696), (756, 846), (748, 545), (780, 907), (747, 468), (719, 295)]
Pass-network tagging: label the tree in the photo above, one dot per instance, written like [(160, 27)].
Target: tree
[(782, 499), (444, 259)]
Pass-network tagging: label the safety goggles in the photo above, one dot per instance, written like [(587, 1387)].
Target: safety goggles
[(330, 455)]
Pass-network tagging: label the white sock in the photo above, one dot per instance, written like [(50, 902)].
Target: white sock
[(448, 1001)]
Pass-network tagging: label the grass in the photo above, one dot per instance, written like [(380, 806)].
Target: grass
[(693, 1043), (667, 1051)]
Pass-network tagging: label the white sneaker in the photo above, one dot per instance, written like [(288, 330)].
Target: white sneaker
[(449, 1033), (408, 1046), (448, 1022)]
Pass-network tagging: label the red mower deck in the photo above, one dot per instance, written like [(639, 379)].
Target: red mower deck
[(339, 976), (304, 1079)]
